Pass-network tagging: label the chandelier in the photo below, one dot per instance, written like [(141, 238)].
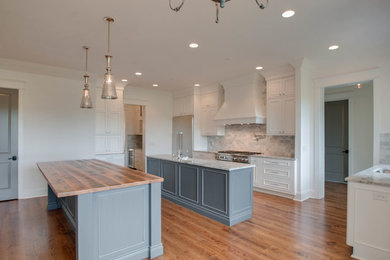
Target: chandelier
[(218, 4)]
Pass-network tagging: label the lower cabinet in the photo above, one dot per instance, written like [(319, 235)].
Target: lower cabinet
[(153, 166), (276, 175), (189, 178), (169, 173), (225, 196), (117, 159), (215, 190)]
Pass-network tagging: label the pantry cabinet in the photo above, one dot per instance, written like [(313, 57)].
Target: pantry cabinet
[(281, 106), (109, 124)]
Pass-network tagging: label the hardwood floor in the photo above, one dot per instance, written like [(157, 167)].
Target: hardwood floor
[(279, 229)]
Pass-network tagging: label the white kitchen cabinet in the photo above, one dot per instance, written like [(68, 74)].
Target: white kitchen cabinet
[(109, 124), (368, 215), (210, 102), (274, 175), (281, 106), (183, 106), (118, 159), (284, 87)]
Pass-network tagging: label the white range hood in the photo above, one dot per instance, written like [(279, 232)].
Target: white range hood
[(245, 99)]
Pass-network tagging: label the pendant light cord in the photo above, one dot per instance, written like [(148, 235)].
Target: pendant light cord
[(86, 61), (109, 36)]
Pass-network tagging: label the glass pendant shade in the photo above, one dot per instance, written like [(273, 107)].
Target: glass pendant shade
[(109, 90), (86, 99)]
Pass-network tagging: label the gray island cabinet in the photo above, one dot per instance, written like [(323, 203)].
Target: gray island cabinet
[(219, 190), (115, 211)]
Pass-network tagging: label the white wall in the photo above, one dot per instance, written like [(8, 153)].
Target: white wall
[(52, 125), (158, 117), (360, 123)]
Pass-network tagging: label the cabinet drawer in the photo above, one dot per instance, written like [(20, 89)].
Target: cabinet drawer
[(276, 185), (276, 162), (282, 173)]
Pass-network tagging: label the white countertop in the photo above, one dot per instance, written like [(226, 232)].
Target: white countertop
[(372, 176), (274, 157), (222, 165), (259, 155)]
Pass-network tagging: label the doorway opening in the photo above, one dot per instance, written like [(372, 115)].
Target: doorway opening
[(349, 128), (135, 136), (8, 144)]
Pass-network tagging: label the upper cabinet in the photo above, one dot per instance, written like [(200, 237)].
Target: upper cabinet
[(109, 124), (183, 106), (281, 106), (210, 102)]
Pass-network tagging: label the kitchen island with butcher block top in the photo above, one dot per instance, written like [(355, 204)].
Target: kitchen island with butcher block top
[(115, 211)]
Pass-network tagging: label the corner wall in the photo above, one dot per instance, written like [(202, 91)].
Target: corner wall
[(304, 131)]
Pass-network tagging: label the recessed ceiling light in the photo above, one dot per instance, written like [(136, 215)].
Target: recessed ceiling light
[(138, 73), (155, 85), (288, 13), (259, 68), (124, 80), (333, 47), (196, 85), (194, 45)]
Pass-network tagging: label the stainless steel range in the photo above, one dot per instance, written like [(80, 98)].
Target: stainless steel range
[(235, 156)]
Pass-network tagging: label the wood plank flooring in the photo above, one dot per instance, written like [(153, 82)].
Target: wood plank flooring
[(279, 229)]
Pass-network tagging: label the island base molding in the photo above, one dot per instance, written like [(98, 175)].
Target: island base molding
[(114, 224), (229, 221)]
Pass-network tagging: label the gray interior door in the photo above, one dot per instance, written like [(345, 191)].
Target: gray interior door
[(336, 141), (8, 144)]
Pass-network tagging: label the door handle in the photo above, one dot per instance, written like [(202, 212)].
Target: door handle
[(346, 151), (13, 158)]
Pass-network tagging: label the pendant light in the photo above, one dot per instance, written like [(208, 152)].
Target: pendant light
[(109, 90), (86, 100)]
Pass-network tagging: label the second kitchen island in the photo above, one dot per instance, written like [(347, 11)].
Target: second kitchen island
[(219, 190)]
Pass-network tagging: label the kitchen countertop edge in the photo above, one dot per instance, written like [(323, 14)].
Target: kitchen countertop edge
[(371, 176), (214, 164)]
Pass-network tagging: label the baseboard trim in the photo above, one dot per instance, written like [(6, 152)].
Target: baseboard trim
[(42, 192), (303, 196), (284, 195)]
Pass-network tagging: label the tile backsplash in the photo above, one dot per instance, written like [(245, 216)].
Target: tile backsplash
[(252, 138), (384, 149)]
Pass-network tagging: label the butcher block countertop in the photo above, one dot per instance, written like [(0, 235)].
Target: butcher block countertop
[(70, 178)]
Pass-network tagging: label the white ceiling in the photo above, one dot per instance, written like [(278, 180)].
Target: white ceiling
[(148, 37)]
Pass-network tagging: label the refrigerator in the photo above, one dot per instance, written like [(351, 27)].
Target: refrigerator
[(182, 135)]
